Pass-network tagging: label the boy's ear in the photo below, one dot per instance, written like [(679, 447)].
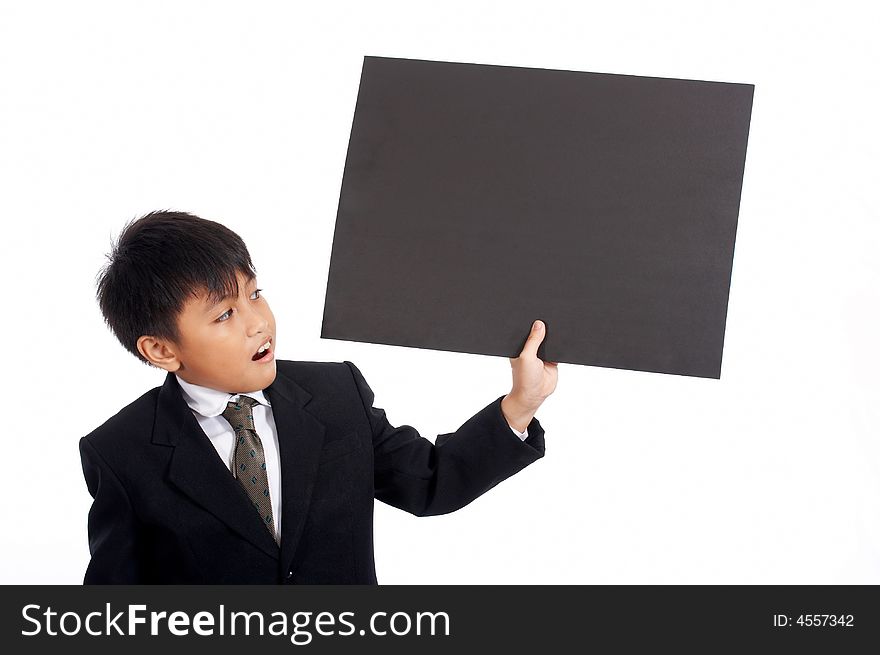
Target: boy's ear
[(157, 352)]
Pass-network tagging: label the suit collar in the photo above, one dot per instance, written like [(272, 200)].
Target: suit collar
[(199, 473), (300, 440)]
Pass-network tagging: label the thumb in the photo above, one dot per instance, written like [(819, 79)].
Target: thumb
[(536, 336)]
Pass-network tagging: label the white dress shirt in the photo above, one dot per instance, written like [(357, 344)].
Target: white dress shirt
[(208, 405)]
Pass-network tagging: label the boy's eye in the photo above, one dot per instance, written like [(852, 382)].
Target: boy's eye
[(223, 317)]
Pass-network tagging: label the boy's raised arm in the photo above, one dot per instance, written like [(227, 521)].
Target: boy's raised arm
[(426, 479)]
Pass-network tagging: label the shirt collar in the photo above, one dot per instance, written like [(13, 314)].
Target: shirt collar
[(212, 402)]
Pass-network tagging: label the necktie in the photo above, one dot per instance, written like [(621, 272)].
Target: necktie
[(249, 462)]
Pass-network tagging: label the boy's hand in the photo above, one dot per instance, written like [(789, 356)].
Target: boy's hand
[(533, 380)]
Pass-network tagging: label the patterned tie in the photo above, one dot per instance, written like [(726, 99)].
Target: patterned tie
[(249, 463)]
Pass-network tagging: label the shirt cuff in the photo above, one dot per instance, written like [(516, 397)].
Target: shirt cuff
[(522, 435)]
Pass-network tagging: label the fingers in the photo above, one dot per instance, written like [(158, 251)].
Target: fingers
[(536, 336)]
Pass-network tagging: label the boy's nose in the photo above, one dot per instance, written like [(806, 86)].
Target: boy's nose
[(261, 325), (257, 322)]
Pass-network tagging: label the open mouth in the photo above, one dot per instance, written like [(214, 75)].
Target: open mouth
[(263, 351)]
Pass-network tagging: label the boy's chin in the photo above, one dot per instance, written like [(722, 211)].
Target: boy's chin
[(265, 374), (249, 380)]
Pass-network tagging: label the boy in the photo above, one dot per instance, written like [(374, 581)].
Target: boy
[(244, 468)]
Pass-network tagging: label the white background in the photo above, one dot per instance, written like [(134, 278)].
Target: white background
[(241, 113)]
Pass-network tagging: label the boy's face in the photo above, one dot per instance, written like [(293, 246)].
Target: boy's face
[(218, 342)]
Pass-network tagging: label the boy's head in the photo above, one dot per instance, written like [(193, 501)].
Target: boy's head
[(179, 292)]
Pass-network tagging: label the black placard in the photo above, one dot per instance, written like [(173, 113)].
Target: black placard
[(477, 198)]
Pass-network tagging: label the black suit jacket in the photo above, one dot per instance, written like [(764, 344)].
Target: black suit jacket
[(167, 509)]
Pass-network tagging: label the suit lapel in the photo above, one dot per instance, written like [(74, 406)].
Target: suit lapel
[(198, 472), (300, 439)]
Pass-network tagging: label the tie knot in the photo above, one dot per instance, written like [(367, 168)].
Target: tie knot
[(240, 413)]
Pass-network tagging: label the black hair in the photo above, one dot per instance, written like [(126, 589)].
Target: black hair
[(159, 261)]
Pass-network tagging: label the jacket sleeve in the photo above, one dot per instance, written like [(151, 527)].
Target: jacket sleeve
[(112, 525), (425, 478)]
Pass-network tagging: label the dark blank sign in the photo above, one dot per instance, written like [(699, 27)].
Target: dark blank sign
[(478, 198)]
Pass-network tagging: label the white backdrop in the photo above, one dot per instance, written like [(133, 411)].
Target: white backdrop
[(241, 112)]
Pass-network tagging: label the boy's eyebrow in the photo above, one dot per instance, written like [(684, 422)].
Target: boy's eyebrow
[(211, 307)]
